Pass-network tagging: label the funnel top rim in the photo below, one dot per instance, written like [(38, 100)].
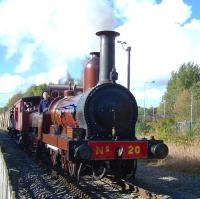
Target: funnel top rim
[(95, 53), (107, 32)]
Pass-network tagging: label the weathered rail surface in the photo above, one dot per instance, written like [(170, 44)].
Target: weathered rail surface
[(133, 189), (122, 189)]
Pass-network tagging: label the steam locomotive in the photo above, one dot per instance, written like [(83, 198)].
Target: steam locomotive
[(90, 128)]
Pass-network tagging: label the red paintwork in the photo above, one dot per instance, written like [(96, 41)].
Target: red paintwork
[(105, 150), (60, 114), (57, 90), (62, 143), (50, 139), (68, 93), (23, 116), (33, 119), (53, 140), (91, 72)]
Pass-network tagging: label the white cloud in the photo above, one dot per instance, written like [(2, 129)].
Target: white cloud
[(160, 37), (27, 59), (52, 76), (159, 34), (62, 28), (10, 83), (194, 25), (58, 30)]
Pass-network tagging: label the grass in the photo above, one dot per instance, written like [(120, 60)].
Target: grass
[(182, 158), (184, 148)]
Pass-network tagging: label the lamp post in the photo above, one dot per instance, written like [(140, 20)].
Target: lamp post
[(191, 110), (128, 49), (144, 114), (164, 108), (153, 111)]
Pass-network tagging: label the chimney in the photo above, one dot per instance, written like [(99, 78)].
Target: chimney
[(107, 56)]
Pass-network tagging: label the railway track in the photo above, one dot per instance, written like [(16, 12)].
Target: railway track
[(132, 189), (30, 176), (107, 187)]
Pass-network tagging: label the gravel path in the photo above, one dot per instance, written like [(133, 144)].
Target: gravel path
[(31, 181), (176, 185)]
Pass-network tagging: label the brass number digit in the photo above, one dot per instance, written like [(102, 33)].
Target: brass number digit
[(130, 149), (137, 150)]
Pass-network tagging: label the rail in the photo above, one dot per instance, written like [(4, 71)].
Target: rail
[(6, 188), (127, 186)]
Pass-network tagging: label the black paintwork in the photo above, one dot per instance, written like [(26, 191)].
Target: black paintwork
[(107, 107)]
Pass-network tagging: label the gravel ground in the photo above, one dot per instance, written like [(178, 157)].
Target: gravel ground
[(28, 179), (176, 185), (31, 181)]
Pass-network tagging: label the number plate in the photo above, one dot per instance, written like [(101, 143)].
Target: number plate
[(107, 150)]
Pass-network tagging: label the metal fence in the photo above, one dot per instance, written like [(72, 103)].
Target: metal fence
[(186, 125), (6, 189)]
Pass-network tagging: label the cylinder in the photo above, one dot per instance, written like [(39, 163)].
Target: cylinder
[(107, 54), (91, 72)]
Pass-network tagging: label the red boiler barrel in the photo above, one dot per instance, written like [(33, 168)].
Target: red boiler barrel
[(91, 72), (63, 111)]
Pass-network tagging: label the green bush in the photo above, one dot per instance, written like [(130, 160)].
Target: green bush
[(194, 131), (163, 128), (143, 128)]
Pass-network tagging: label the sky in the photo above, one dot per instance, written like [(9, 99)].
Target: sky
[(43, 40)]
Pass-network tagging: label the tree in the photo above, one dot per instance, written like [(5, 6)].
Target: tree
[(31, 91), (140, 114), (187, 79), (188, 75), (14, 99), (36, 90), (195, 89), (3, 109), (182, 106)]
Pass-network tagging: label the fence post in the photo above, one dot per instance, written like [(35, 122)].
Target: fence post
[(5, 186)]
